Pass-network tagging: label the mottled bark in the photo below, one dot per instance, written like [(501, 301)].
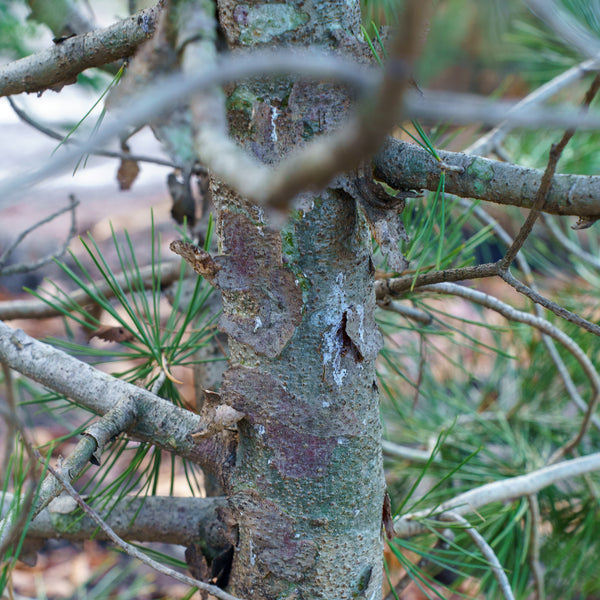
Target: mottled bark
[(307, 490)]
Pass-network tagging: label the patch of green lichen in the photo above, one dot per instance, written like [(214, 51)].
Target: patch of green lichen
[(242, 99), (266, 21), (289, 250), (239, 109), (482, 173), (65, 522)]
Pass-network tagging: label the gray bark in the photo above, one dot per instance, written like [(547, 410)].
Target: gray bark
[(307, 490)]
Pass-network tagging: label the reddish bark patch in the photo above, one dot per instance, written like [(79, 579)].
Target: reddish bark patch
[(296, 434), (298, 454), (262, 305)]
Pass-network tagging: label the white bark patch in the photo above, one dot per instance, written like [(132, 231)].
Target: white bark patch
[(274, 115), (332, 341)]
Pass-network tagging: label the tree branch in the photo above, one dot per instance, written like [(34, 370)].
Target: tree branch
[(165, 519), (406, 166), (491, 141), (69, 140), (512, 314), (60, 65), (32, 266)]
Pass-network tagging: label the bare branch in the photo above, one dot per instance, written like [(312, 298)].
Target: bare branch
[(507, 311), (390, 288), (534, 551), (552, 306), (498, 491), (569, 245), (17, 512), (165, 519), (485, 549), (407, 453), (158, 421), (70, 140), (410, 312), (566, 26), (59, 65), (468, 108), (542, 194), (576, 398), (162, 94), (37, 309), (493, 138)]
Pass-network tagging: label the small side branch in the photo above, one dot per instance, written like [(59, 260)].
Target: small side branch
[(158, 421), (499, 491), (485, 549), (32, 266), (36, 309)]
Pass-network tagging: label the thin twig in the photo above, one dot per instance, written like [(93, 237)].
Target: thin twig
[(407, 453), (459, 108), (511, 313), (410, 312), (485, 549), (523, 265), (32, 266), (498, 491), (14, 521), (422, 352), (492, 139), (558, 310), (159, 381), (569, 245), (534, 546), (132, 550), (556, 151), (70, 140)]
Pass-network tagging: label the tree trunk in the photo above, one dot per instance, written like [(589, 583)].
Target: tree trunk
[(307, 489)]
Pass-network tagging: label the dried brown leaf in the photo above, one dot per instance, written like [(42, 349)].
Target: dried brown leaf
[(109, 333), (127, 173)]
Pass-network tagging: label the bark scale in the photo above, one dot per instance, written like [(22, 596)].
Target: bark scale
[(298, 304)]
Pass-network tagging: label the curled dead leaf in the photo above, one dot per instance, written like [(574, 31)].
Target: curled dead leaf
[(127, 173)]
